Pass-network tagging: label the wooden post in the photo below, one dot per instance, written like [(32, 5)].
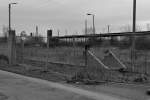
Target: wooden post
[(12, 47)]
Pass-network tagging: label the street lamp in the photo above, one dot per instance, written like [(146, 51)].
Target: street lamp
[(93, 21), (10, 15)]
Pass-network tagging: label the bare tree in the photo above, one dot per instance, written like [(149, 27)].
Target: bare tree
[(89, 30), (126, 28), (5, 31), (138, 28), (23, 33), (148, 26)]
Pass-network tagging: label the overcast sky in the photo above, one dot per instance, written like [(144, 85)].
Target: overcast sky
[(70, 14)]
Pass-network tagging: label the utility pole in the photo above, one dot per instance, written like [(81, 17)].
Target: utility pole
[(133, 38), (134, 16)]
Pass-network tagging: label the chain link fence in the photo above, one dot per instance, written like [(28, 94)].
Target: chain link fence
[(78, 59)]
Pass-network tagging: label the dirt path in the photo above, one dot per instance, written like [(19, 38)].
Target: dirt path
[(17, 87), (130, 91)]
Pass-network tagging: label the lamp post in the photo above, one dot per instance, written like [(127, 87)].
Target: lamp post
[(11, 46), (10, 15), (93, 21)]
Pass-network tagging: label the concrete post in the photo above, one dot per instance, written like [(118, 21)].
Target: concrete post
[(12, 48), (49, 36)]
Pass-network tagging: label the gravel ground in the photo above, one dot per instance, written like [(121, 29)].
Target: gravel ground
[(18, 87), (131, 92)]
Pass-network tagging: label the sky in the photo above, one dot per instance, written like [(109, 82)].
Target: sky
[(68, 16)]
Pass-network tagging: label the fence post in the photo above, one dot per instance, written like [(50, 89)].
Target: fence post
[(146, 58), (12, 47), (49, 36), (22, 49), (74, 46), (86, 51)]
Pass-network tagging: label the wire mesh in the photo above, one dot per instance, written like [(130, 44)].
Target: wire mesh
[(70, 57)]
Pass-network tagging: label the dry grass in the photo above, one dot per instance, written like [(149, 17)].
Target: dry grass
[(75, 56), (58, 54)]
